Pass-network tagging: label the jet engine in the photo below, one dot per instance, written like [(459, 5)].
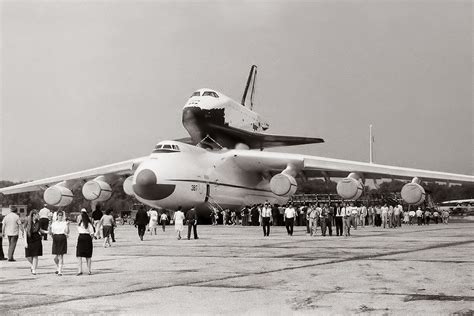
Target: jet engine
[(97, 190), (413, 192), (58, 195), (350, 188), (283, 184), (127, 186)]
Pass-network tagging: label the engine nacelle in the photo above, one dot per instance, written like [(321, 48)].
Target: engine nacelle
[(413, 193), (58, 195), (127, 186), (283, 184), (97, 190), (350, 188)]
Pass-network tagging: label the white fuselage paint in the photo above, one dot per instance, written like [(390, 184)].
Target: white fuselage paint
[(204, 177)]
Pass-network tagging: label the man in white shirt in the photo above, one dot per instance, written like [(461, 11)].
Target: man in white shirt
[(363, 215), (412, 215), (347, 211), (11, 227), (339, 219), (313, 220), (354, 215), (419, 216), (384, 215), (266, 218), (290, 214)]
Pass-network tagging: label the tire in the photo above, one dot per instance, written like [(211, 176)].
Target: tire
[(131, 222)]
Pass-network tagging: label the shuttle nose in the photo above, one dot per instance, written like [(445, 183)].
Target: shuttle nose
[(147, 188)]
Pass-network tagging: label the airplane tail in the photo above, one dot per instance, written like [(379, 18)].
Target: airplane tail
[(250, 85)]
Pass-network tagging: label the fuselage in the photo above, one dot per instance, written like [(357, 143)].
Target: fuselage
[(207, 107), (178, 174)]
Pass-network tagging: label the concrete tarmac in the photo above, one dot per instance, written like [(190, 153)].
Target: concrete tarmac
[(422, 270)]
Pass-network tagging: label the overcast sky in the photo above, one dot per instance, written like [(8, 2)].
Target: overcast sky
[(86, 83)]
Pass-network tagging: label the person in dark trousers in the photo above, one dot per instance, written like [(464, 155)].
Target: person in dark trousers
[(191, 220), (339, 220), (2, 255), (141, 220), (266, 219)]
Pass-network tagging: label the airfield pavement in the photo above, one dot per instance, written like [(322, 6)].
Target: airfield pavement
[(230, 270)]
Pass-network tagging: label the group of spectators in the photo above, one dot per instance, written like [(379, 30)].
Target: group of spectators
[(41, 224), (326, 215)]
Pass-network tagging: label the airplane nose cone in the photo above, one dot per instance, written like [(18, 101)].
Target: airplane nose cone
[(146, 177), (147, 188)]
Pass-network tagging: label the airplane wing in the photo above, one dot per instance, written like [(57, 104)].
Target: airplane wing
[(314, 166), (121, 168), (259, 140)]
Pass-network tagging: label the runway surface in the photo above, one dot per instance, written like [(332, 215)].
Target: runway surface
[(421, 270)]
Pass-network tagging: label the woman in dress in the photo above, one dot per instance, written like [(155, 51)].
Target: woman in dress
[(153, 224), (34, 233), (84, 241), (178, 219), (59, 229)]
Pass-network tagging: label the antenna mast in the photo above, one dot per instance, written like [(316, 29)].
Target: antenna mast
[(371, 142)]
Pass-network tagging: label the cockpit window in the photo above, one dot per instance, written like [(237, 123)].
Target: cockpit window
[(196, 94), (166, 148), (210, 94)]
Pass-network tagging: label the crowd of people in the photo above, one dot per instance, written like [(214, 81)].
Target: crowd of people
[(315, 216), (343, 216)]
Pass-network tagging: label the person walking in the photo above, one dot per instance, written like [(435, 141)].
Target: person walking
[(347, 211), (11, 227), (178, 219), (371, 215), (266, 219), (34, 232), (107, 222), (313, 220), (290, 214), (419, 216), (84, 245), (384, 215), (445, 216), (412, 215), (339, 220), (363, 215), (164, 220), (96, 216), (153, 223), (191, 219), (59, 231), (354, 215), (44, 217), (2, 254), (141, 220), (427, 216), (436, 216)]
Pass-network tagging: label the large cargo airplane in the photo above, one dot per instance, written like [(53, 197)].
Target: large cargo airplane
[(216, 166)]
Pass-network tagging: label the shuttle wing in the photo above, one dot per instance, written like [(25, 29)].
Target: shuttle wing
[(259, 140), (121, 168), (314, 166)]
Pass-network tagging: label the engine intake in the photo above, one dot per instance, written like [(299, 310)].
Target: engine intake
[(97, 190), (58, 195), (350, 188), (127, 186), (413, 193), (283, 184)]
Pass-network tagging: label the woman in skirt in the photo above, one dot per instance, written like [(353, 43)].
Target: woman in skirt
[(84, 241), (59, 229), (34, 233)]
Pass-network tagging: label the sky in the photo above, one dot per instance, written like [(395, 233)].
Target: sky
[(87, 83)]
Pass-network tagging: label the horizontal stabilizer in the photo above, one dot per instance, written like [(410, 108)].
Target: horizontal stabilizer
[(258, 140)]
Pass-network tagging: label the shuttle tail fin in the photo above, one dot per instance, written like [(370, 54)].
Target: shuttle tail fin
[(250, 85)]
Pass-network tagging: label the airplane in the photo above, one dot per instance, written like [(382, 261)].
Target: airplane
[(222, 170)]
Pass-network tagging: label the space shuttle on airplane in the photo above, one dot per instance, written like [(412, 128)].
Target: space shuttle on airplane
[(215, 121), (216, 166)]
